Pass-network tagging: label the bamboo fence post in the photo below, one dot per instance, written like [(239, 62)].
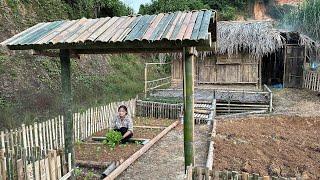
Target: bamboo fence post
[(3, 163)]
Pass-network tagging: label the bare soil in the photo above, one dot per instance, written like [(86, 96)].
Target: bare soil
[(299, 102), (94, 151), (287, 146), (102, 153), (137, 133), (143, 121)]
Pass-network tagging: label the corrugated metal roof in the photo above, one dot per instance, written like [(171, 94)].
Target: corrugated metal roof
[(192, 26)]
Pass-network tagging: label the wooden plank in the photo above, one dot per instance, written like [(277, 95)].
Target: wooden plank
[(43, 172), (245, 176), (52, 164), (189, 173), (20, 170), (3, 165), (67, 176)]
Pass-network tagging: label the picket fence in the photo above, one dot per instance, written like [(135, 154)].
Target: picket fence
[(35, 141), (312, 80)]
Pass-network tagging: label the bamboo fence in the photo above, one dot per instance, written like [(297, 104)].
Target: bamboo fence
[(312, 80), (35, 141), (202, 173), (158, 109)]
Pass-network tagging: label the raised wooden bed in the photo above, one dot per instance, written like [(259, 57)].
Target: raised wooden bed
[(97, 155)]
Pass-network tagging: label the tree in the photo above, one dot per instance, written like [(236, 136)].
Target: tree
[(305, 19), (158, 6), (98, 8)]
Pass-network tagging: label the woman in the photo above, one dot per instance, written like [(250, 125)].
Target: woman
[(123, 123)]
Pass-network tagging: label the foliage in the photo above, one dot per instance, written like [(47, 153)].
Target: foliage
[(305, 19), (157, 6), (279, 11), (99, 8), (227, 9), (113, 138), (77, 172), (89, 175)]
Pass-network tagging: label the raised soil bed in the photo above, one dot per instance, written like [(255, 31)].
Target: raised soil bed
[(276, 145), (97, 152)]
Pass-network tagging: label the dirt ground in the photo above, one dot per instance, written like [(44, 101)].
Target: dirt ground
[(165, 160), (287, 146), (137, 133), (94, 151), (143, 121), (299, 102), (102, 153)]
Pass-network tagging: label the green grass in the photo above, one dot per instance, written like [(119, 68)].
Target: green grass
[(305, 19), (38, 91)]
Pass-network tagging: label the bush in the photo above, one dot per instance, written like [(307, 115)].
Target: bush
[(113, 138)]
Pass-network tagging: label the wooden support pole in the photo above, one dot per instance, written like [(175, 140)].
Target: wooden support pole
[(145, 80), (188, 93), (66, 103)]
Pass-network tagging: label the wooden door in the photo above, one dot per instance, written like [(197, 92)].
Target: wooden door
[(293, 66)]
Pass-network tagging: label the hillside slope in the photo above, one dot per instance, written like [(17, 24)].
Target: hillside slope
[(30, 85)]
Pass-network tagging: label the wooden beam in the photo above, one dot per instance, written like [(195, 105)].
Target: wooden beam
[(120, 47), (53, 53), (66, 103), (140, 152), (188, 93)]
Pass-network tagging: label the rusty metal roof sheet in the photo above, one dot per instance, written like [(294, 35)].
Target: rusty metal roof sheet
[(192, 26)]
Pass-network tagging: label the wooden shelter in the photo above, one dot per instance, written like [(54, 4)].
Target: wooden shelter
[(247, 55), (184, 32)]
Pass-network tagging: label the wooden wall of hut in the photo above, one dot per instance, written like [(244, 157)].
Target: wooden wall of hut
[(177, 72), (223, 70)]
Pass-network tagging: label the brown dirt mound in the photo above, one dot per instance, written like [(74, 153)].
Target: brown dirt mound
[(277, 145)]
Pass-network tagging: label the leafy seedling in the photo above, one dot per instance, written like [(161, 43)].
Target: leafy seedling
[(113, 138)]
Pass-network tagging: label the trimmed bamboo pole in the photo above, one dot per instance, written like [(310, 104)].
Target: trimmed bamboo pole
[(188, 93), (145, 80), (66, 103)]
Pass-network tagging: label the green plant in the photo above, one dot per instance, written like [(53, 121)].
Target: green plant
[(89, 175), (112, 138), (77, 172), (137, 142)]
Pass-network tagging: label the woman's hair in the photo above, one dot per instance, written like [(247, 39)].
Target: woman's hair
[(123, 107)]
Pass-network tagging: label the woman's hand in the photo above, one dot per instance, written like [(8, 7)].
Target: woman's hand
[(126, 134)]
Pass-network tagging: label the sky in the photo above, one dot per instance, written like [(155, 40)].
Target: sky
[(135, 4)]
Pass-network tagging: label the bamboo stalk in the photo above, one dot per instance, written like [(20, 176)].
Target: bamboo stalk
[(189, 55)]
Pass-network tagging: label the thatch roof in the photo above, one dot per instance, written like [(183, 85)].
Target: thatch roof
[(257, 38)]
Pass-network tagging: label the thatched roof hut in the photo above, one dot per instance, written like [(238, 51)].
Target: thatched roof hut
[(258, 38), (249, 54)]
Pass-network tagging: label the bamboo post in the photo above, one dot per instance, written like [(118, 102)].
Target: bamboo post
[(188, 93), (145, 80), (66, 103)]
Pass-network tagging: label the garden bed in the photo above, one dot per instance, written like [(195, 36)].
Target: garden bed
[(146, 133), (97, 152), (276, 145)]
